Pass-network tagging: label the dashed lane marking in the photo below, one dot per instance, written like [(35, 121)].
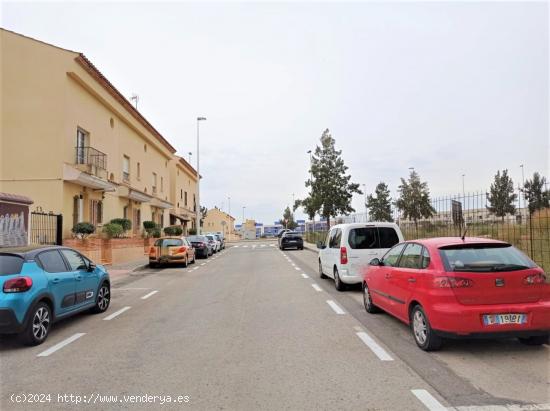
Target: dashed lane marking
[(428, 400), (316, 287), (146, 296), (335, 307), (305, 275), (116, 313), (374, 346), (60, 345)]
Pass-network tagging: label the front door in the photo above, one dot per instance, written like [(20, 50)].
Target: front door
[(405, 277), (61, 281), (86, 281), (382, 285)]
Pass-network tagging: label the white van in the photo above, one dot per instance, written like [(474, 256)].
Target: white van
[(349, 248)]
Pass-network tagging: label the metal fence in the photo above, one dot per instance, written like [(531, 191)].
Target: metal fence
[(46, 229), (528, 231)]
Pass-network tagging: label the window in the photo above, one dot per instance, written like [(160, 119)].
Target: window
[(335, 237), (154, 183), (138, 170), (75, 260), (181, 194), (126, 168), (185, 202), (412, 257), (392, 257), (172, 242), (363, 238), (161, 184), (81, 142), (52, 262), (125, 212), (425, 258), (388, 237), (10, 264), (482, 258), (194, 203)]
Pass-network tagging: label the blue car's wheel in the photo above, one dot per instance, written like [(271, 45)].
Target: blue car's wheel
[(103, 299), (38, 325)]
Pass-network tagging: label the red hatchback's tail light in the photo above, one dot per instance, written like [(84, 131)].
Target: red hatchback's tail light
[(343, 255), (181, 250), (533, 279), (17, 285), (452, 282), (152, 251)]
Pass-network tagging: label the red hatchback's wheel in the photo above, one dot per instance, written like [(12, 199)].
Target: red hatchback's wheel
[(423, 334), (367, 301)]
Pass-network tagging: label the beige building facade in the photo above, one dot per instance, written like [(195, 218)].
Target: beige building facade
[(217, 220), (75, 145)]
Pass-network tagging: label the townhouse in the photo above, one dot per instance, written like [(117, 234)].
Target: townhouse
[(218, 221), (71, 142)]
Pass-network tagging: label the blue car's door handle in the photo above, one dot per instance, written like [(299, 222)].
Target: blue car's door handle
[(55, 280), (78, 277)]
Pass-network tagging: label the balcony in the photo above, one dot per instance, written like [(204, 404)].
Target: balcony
[(91, 156)]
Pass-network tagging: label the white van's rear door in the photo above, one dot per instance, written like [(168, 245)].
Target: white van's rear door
[(363, 247)]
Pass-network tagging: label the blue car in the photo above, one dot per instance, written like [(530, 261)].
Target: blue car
[(41, 285)]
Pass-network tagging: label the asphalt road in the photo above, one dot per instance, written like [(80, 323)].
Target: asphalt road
[(256, 329)]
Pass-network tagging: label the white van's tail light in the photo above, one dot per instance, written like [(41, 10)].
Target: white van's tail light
[(17, 285), (452, 282), (533, 279), (343, 255)]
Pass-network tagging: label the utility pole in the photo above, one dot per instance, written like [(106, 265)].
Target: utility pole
[(198, 212), (366, 209)]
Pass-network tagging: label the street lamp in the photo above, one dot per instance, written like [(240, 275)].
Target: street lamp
[(366, 210), (198, 212)]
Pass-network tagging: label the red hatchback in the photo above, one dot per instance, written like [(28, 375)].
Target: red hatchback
[(453, 288)]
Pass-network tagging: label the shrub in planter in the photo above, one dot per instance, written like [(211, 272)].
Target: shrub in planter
[(149, 227), (178, 230), (192, 231), (113, 230), (83, 230), (169, 231), (123, 222), (156, 233)]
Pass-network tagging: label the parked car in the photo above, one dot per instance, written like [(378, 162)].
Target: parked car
[(282, 231), (219, 238), (171, 250), (214, 242), (41, 285), (291, 239), (455, 288), (349, 248), (202, 246)]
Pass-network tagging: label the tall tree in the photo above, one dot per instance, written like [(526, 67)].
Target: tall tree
[(288, 219), (414, 199), (204, 211), (380, 206), (536, 193), (501, 196), (331, 191)]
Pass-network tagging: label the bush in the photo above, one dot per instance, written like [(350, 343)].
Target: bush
[(113, 230), (178, 230), (83, 230), (150, 227), (123, 222), (192, 231), (174, 230), (155, 232)]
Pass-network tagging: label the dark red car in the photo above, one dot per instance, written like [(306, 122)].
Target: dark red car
[(453, 288)]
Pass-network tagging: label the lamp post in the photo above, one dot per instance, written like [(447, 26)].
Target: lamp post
[(198, 212), (366, 209), (190, 154)]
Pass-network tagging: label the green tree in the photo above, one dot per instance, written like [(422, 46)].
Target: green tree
[(288, 220), (330, 191), (204, 211), (501, 196), (380, 206), (536, 193), (414, 199)]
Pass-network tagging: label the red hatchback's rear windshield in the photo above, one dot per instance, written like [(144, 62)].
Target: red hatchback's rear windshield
[(484, 258), (10, 264)]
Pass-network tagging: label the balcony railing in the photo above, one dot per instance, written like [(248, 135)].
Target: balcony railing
[(89, 155)]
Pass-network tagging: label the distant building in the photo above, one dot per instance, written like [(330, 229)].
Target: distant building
[(217, 220)]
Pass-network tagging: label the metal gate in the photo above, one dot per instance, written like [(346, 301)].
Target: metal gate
[(46, 229)]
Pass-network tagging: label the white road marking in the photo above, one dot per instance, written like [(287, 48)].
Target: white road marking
[(245, 246), (235, 246), (196, 268), (60, 345), (254, 246), (272, 245), (428, 400), (297, 268), (116, 313), (316, 287), (146, 296), (357, 328), (203, 263), (130, 288), (263, 245), (335, 307), (189, 270), (508, 407), (373, 345), (305, 275)]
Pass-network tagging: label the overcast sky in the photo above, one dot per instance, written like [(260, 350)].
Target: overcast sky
[(447, 88)]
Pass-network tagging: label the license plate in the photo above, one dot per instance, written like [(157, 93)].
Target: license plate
[(501, 319)]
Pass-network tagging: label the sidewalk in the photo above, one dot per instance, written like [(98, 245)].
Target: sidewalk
[(117, 271), (310, 247)]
